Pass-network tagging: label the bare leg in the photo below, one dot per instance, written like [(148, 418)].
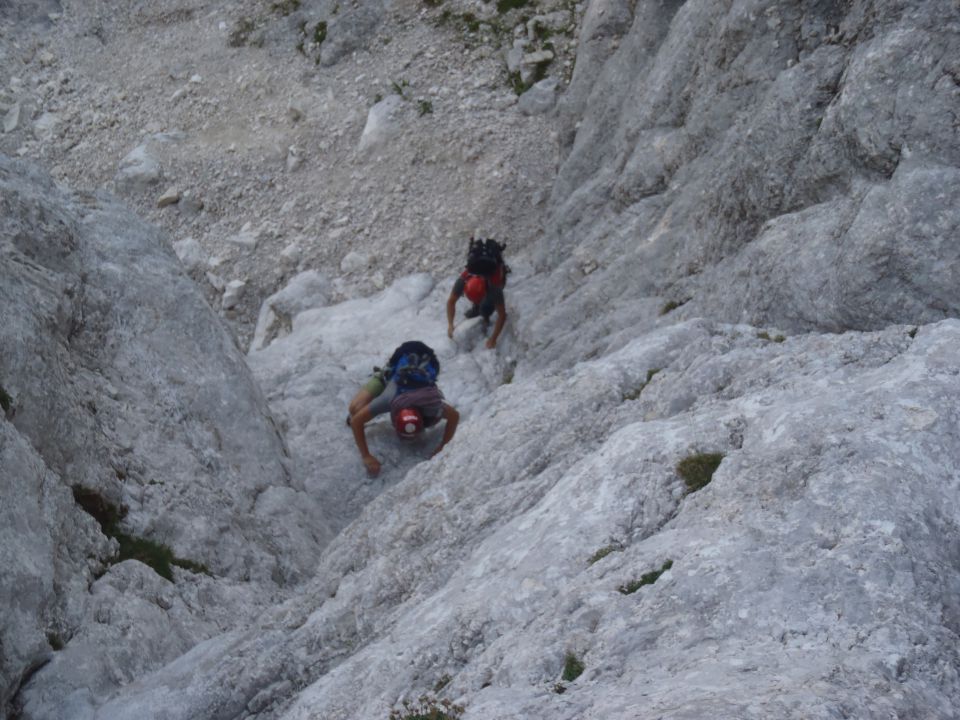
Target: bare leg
[(360, 400)]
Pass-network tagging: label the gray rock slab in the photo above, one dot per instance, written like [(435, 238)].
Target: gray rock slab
[(121, 381), (305, 291), (792, 588), (48, 548), (350, 30), (705, 146), (540, 98), (748, 252)]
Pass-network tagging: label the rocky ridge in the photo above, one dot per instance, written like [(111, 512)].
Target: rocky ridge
[(127, 404), (788, 164), (248, 149), (755, 161)]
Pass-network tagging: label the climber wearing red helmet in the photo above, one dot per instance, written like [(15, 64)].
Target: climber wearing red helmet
[(407, 389), (483, 286), (408, 422)]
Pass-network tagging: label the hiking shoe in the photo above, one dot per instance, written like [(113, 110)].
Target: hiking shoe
[(472, 312)]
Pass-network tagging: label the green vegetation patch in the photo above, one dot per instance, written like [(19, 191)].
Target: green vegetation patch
[(572, 668), (424, 107), (604, 551), (427, 708), (673, 305), (634, 394), (764, 335), (157, 556), (240, 34), (320, 32), (284, 7), (6, 402), (541, 32), (470, 22), (516, 82), (473, 29), (697, 470), (646, 579), (55, 641), (505, 6), (540, 71), (442, 682)]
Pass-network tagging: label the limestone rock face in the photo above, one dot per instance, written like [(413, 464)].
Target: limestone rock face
[(812, 548), (305, 291), (765, 161), (48, 548), (351, 30), (329, 30), (119, 382), (30, 12), (148, 380), (748, 267)]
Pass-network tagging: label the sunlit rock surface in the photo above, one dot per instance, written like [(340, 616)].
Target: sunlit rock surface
[(814, 575), (783, 163), (121, 383), (750, 254)]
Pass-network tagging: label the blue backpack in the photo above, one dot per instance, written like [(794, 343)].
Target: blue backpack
[(413, 365)]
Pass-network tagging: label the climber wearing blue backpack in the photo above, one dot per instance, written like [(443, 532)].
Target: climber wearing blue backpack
[(407, 389)]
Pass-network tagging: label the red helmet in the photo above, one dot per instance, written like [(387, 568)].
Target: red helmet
[(475, 288), (408, 422)]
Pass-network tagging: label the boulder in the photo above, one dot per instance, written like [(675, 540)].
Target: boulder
[(138, 170), (540, 98), (381, 126), (305, 290), (190, 252)]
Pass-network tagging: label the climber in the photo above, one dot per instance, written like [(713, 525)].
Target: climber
[(407, 389), (482, 282)]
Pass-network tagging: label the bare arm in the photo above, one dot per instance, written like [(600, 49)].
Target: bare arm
[(452, 417), (358, 422), (451, 309), (501, 311)]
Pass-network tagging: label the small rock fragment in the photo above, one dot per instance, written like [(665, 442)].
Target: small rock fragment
[(170, 197)]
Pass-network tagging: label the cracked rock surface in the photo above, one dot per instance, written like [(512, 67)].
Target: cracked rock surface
[(732, 228)]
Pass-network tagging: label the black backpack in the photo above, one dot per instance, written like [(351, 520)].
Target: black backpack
[(484, 257), (413, 365)]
